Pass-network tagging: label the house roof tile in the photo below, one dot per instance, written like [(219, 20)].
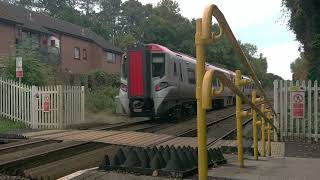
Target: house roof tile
[(42, 23)]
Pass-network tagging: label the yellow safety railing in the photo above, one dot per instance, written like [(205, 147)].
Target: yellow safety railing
[(204, 92)]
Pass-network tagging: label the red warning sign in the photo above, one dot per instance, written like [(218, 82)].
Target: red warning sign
[(297, 99), (19, 70), (46, 103)]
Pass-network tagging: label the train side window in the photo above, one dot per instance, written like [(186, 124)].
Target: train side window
[(181, 79), (174, 68), (191, 76)]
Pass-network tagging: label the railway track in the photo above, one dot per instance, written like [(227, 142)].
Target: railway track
[(40, 158)]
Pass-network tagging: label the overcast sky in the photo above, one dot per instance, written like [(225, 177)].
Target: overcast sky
[(258, 22)]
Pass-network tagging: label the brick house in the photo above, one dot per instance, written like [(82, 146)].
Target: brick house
[(76, 50)]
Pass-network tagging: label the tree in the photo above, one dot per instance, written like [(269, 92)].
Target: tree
[(133, 19), (305, 23), (299, 68), (35, 72), (87, 6), (109, 16)]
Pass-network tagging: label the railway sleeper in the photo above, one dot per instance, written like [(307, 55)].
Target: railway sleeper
[(162, 161)]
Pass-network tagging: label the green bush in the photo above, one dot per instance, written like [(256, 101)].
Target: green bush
[(102, 99), (35, 71), (103, 89), (100, 78)]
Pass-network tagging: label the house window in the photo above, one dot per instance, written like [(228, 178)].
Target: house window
[(76, 53), (111, 58), (35, 39), (84, 54), (53, 43)]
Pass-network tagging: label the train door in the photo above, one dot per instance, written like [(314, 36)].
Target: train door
[(175, 76), (181, 78)]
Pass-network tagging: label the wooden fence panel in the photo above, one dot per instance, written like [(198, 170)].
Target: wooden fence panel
[(20, 102)]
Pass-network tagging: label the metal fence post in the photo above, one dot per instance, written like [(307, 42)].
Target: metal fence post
[(309, 110), (291, 113), (276, 107), (239, 120), (316, 110), (269, 134), (201, 121), (263, 135), (33, 107), (254, 127), (82, 104), (285, 130)]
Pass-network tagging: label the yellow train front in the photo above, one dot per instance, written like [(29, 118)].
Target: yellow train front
[(157, 82)]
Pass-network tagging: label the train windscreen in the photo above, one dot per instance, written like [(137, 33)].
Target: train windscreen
[(158, 65)]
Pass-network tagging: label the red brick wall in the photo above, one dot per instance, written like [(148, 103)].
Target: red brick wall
[(111, 68), (95, 57), (68, 62), (7, 42)]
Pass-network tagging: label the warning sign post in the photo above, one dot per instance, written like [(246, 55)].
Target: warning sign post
[(297, 100), (19, 70)]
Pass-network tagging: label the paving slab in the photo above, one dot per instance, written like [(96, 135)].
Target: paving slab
[(302, 149), (269, 168)]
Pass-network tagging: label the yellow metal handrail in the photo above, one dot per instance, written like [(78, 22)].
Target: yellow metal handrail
[(208, 91), (227, 82), (203, 37), (213, 10)]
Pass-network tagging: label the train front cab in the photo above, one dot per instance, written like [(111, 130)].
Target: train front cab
[(140, 102)]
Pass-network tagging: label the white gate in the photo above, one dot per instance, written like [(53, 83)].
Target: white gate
[(306, 127), (42, 107)]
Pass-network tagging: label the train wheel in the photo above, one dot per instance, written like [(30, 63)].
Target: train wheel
[(179, 113)]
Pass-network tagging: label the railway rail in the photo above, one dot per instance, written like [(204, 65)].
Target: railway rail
[(37, 157)]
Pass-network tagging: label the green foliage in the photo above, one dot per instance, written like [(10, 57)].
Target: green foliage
[(304, 20), (7, 125), (299, 68), (35, 72), (103, 89), (100, 78), (267, 82), (102, 99)]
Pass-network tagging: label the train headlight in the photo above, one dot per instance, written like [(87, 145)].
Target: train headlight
[(161, 86), (124, 87)]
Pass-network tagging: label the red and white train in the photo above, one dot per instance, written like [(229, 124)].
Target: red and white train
[(156, 82)]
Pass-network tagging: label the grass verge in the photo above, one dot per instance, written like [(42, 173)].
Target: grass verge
[(7, 125)]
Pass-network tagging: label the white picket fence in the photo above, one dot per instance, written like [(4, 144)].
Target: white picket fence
[(20, 102), (294, 129)]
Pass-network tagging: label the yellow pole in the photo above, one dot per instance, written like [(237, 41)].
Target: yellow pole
[(239, 120), (254, 126), (263, 134), (201, 114), (269, 135)]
